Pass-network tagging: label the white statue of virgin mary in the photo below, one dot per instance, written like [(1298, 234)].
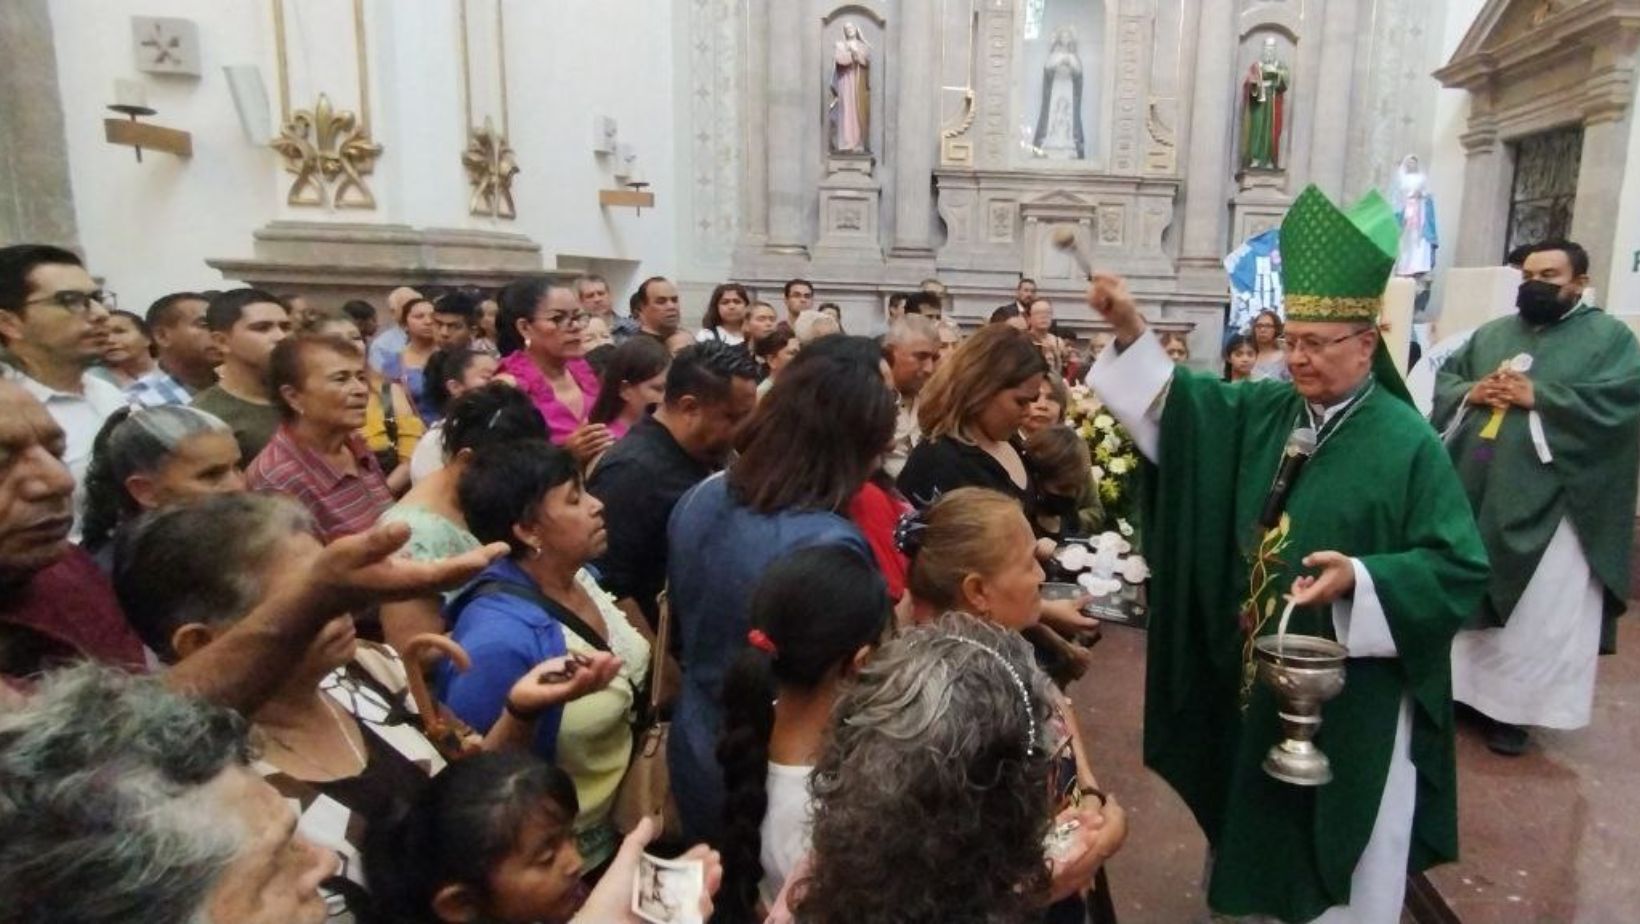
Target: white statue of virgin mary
[(1059, 120), (1415, 212)]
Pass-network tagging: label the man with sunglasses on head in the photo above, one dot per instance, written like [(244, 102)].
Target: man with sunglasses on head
[(1369, 542), (52, 324)]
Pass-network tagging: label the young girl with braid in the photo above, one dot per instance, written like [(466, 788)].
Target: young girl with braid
[(816, 616)]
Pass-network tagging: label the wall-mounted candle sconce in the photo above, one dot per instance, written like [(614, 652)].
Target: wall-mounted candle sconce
[(131, 100)]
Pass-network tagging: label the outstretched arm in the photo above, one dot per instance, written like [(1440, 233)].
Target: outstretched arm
[(250, 661)]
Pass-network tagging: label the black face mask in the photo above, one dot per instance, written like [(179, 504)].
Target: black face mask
[(1539, 302)]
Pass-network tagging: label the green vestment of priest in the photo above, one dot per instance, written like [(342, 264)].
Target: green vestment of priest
[(1585, 372), (1378, 489)]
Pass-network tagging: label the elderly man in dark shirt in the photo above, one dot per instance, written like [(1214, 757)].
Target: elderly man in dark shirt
[(710, 389)]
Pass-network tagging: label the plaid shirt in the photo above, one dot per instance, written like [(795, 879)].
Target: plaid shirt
[(156, 389), (342, 503)]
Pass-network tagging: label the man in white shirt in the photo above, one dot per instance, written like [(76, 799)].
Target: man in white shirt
[(52, 322), (913, 347)]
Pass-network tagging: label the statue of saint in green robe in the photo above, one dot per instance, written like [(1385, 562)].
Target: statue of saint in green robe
[(1264, 98)]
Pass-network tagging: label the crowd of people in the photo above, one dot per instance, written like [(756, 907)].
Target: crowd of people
[(453, 620), (431, 584)]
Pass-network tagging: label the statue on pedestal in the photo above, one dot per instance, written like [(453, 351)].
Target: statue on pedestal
[(1059, 121), (1415, 212), (850, 107), (1264, 93)]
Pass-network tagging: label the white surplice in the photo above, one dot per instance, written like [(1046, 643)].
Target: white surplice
[(1133, 384), (1539, 668)]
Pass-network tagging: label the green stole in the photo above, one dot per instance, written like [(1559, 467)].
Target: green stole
[(1379, 489), (1586, 381)]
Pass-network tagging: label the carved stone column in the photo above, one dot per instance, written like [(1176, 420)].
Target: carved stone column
[(1208, 162), (1330, 132), (786, 137), (36, 200), (913, 155), (755, 155), (1487, 173), (1599, 176)]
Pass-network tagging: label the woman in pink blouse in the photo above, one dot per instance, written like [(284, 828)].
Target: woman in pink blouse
[(540, 335)]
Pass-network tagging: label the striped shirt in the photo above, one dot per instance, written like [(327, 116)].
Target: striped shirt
[(342, 503)]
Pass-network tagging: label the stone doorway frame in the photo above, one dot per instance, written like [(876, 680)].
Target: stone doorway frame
[(1535, 65)]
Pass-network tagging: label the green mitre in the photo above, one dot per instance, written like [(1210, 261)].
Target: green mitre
[(1335, 262)]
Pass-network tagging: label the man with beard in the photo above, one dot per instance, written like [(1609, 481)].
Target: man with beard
[(710, 389), (1541, 414)]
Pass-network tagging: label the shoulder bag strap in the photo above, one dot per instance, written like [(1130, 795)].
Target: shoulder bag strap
[(491, 587)]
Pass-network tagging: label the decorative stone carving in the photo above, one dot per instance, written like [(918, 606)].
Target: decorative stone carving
[(1133, 37), (330, 155), (490, 171), (1111, 218), (956, 150), (716, 161), (1161, 148), (1259, 205), (165, 45), (1099, 204), (1001, 226), (849, 204), (996, 80)]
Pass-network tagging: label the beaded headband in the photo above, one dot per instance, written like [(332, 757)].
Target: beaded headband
[(1019, 684)]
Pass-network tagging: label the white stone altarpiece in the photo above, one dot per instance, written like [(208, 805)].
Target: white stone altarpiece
[(992, 122)]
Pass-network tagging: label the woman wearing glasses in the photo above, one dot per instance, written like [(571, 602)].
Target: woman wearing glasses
[(540, 333), (1272, 351)]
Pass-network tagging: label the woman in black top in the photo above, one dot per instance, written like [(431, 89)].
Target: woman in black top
[(970, 414)]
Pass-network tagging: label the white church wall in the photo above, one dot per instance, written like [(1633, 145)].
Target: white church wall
[(148, 228)]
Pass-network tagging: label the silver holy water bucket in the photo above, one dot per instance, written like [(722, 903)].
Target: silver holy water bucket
[(1304, 671)]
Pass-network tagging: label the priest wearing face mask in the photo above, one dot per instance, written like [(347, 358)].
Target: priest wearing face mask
[(1541, 414)]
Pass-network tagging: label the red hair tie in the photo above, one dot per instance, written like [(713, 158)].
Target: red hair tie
[(758, 639)]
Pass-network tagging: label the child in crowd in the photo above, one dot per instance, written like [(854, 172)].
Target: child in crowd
[(816, 616), (1239, 357), (493, 839)]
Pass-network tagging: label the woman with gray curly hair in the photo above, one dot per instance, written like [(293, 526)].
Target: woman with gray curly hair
[(941, 768)]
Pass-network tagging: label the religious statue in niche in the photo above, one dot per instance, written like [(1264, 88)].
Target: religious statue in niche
[(1415, 212), (850, 107), (1264, 95), (1059, 120)]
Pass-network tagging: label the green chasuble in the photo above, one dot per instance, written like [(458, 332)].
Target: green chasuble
[(1585, 376), (1379, 489)]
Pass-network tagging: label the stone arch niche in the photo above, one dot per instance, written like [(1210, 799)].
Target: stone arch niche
[(1263, 195), (1045, 101), (849, 204)]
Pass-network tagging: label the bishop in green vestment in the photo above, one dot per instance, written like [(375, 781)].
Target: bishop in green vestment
[(1377, 548), (1541, 415)]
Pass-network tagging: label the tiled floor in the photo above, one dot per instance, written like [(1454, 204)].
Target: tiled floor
[(1549, 838)]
